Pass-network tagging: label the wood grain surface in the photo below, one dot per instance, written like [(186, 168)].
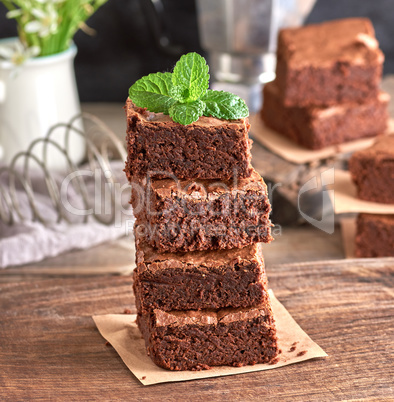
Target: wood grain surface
[(50, 348)]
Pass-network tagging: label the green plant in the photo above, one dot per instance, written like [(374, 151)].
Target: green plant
[(184, 94), (50, 25)]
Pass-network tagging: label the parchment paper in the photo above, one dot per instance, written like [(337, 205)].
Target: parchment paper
[(121, 331), (295, 153), (344, 198)]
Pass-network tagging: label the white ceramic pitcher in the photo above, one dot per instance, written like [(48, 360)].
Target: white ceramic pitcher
[(39, 94)]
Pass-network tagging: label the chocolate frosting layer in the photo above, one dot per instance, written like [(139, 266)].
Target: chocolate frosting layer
[(145, 115), (382, 148), (349, 40), (208, 189), (149, 259), (207, 317), (323, 112)]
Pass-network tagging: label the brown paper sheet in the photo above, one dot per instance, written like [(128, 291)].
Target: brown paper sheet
[(344, 198), (348, 231), (121, 331), (295, 153)]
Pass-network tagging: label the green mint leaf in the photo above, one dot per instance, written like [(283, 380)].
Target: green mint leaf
[(187, 113), (191, 74), (179, 93), (224, 105), (153, 92)]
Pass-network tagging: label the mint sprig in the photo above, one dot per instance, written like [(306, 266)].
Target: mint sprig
[(184, 94), (187, 113), (153, 92), (221, 103), (191, 76)]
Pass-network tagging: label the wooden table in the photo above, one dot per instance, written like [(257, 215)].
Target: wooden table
[(50, 348)]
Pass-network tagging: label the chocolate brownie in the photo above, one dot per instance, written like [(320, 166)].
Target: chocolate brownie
[(372, 171), (317, 127), (328, 63), (188, 215), (207, 149), (195, 340), (375, 236), (199, 279)]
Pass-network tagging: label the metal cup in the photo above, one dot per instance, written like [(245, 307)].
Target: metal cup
[(240, 37)]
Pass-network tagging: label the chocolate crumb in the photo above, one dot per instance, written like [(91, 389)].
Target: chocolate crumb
[(143, 377), (193, 187), (294, 343), (126, 311), (292, 349), (301, 353), (274, 361), (107, 344)]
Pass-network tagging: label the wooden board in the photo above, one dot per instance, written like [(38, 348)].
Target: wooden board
[(50, 348)]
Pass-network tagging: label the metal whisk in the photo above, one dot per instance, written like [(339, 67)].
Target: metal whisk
[(102, 146)]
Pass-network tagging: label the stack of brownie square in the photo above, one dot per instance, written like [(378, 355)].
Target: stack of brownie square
[(372, 171), (201, 212), (326, 90)]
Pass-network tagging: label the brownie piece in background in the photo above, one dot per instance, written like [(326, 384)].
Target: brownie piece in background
[(199, 279), (332, 62), (375, 236), (319, 127), (196, 340), (372, 170), (188, 215), (207, 149)]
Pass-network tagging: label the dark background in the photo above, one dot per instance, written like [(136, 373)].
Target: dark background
[(125, 47)]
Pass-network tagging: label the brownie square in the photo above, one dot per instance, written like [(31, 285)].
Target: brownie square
[(319, 127), (207, 149), (375, 236), (196, 340), (372, 171), (188, 215), (328, 63), (199, 279)]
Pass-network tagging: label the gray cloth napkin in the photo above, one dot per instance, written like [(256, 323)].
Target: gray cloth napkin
[(29, 240)]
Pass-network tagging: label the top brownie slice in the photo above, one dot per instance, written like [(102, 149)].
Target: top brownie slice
[(328, 63), (210, 148), (372, 171)]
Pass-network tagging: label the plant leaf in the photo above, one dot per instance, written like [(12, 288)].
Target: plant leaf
[(179, 93), (187, 113), (153, 92), (224, 105), (191, 73)]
